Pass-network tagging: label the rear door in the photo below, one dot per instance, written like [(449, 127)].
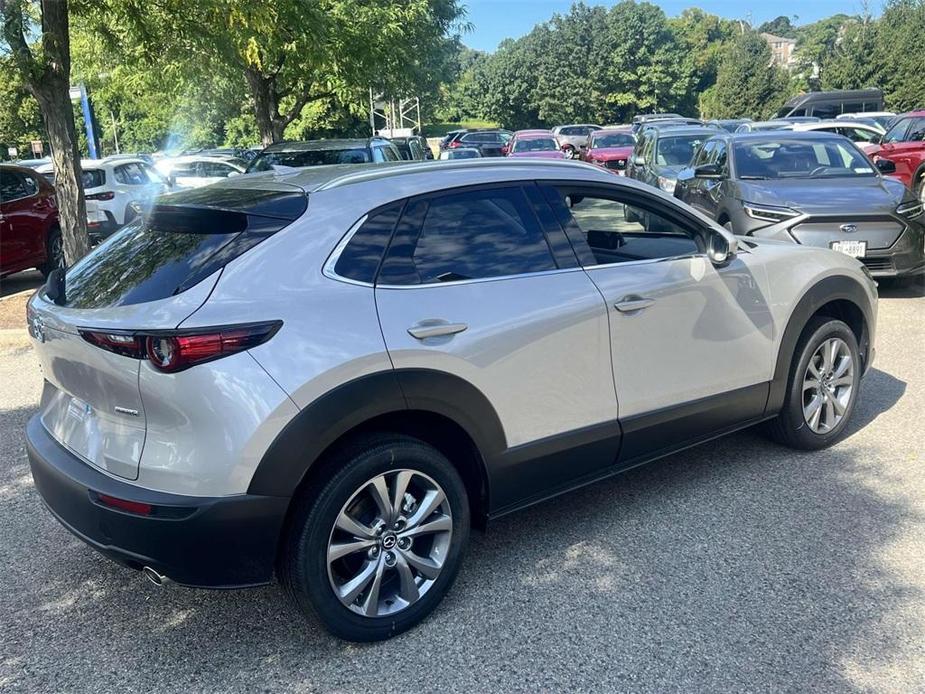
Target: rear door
[(22, 230), (472, 287)]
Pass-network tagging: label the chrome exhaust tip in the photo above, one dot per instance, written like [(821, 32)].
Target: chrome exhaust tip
[(155, 577)]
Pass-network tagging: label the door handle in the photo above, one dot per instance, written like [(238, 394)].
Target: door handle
[(633, 303), (435, 328)]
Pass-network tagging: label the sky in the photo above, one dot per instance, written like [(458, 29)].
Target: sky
[(496, 20)]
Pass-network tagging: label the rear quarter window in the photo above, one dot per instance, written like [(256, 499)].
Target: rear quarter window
[(171, 250)]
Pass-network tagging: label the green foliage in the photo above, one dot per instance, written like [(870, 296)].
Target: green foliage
[(902, 46), (20, 119), (853, 61), (779, 26), (747, 84)]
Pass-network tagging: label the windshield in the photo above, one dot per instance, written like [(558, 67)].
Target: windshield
[(613, 140), (678, 150), (314, 157), (799, 159), (540, 144)]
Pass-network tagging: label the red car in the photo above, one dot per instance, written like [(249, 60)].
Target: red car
[(610, 148), (520, 133), (904, 145), (29, 232)]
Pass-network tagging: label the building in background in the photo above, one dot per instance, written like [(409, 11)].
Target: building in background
[(782, 50)]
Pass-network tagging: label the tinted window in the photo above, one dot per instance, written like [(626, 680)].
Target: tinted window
[(361, 256), (613, 140), (577, 130), (12, 186), (720, 155), (389, 153), (213, 169), (898, 132), (615, 231), (825, 111), (472, 235), (916, 130), (169, 251), (268, 161)]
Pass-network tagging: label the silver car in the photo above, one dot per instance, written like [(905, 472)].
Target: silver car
[(328, 375), (574, 138)]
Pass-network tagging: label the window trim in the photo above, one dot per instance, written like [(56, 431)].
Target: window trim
[(652, 202)]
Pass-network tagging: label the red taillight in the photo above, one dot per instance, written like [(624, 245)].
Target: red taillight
[(136, 507), (108, 195), (174, 350)]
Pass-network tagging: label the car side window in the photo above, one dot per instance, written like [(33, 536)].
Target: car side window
[(30, 185), (898, 132), (360, 258), (470, 235), (214, 169), (389, 153), (705, 154), (720, 155), (131, 175), (607, 227), (13, 186), (916, 130)]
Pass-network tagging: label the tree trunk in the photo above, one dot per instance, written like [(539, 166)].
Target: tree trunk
[(48, 78), (57, 109), (266, 106)]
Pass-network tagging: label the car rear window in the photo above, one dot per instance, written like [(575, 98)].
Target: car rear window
[(267, 161), (89, 178), (175, 247)]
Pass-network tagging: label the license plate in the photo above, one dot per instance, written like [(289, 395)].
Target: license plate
[(856, 249)]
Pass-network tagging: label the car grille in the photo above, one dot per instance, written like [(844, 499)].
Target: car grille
[(618, 164), (878, 264)]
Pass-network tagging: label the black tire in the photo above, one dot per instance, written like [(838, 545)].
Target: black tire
[(919, 186), (790, 427), (54, 248), (303, 569)]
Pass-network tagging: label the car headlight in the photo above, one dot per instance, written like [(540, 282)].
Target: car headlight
[(910, 209), (769, 213), (666, 184)]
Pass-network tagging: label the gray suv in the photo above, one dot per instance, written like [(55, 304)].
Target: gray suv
[(329, 375), (812, 188)]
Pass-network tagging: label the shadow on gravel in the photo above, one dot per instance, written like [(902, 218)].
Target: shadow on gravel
[(736, 565), (904, 289), (20, 281)]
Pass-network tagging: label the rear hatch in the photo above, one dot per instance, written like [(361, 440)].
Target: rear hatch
[(152, 275)]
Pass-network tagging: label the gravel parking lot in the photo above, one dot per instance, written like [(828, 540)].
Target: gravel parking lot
[(738, 565)]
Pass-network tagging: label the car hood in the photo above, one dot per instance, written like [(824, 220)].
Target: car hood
[(545, 154), (668, 171), (836, 195), (610, 153)]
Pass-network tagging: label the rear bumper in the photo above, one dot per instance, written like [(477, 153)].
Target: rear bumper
[(221, 542)]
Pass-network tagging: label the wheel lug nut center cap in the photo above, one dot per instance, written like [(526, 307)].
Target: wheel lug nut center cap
[(389, 540)]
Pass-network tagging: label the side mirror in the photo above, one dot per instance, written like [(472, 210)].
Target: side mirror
[(710, 171), (885, 166), (639, 161), (721, 247)]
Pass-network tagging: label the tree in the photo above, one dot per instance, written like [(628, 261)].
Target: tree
[(902, 36), (779, 26), (704, 38), (45, 70), (20, 120), (291, 53), (853, 62), (747, 84)]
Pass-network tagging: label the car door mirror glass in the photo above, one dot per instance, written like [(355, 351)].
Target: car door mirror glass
[(885, 166), (721, 248)]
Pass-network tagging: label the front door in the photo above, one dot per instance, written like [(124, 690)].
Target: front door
[(691, 343), (472, 287)]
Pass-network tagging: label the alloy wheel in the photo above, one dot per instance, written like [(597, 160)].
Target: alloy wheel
[(389, 543), (828, 385), (56, 252)]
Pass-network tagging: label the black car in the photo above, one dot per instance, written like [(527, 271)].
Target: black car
[(322, 152), (811, 188), (662, 150), (412, 148), (490, 143)]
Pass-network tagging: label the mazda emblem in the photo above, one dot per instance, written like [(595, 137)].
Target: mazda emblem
[(849, 228)]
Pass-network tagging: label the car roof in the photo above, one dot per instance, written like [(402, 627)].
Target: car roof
[(311, 145), (19, 169), (810, 135), (438, 174), (535, 135), (623, 129), (840, 123), (918, 112), (682, 130)]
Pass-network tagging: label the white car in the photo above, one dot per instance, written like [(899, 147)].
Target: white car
[(864, 135), (194, 171), (883, 118), (110, 187)]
